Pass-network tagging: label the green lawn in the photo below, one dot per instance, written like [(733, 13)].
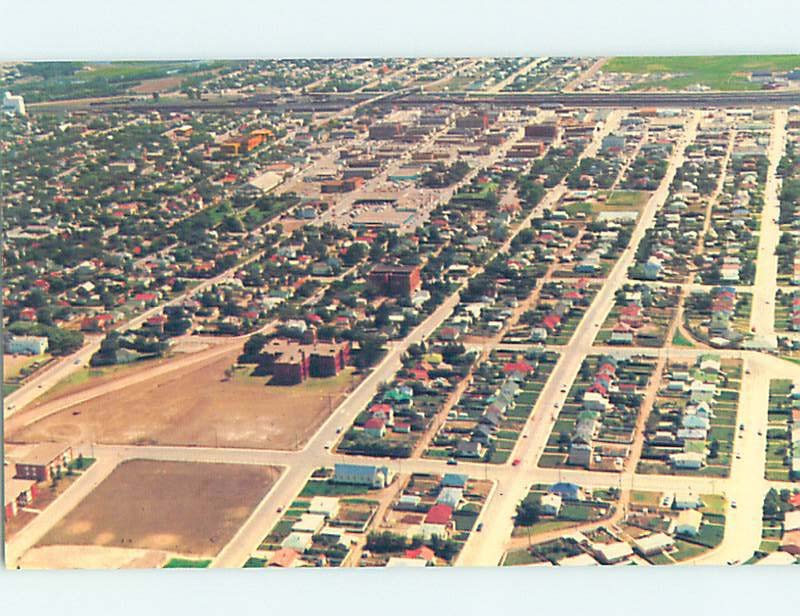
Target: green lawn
[(680, 340), (627, 198), (185, 563), (716, 72)]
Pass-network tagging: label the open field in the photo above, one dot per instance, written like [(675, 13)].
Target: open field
[(197, 405), (716, 72), (191, 509)]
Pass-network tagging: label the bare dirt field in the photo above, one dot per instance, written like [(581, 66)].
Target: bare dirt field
[(92, 557), (191, 509), (162, 84), (195, 405)]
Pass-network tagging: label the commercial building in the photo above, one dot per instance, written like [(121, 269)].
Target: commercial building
[(395, 280), (44, 460), (14, 104), (363, 474), (27, 345)]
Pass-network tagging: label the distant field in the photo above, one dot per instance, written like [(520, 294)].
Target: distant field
[(191, 509), (716, 72)]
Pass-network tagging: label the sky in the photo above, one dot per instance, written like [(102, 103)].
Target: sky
[(163, 29)]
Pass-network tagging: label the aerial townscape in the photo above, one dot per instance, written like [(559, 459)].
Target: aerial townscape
[(401, 312)]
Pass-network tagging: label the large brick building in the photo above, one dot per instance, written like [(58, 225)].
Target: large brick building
[(395, 280), (546, 131), (43, 461), (292, 362)]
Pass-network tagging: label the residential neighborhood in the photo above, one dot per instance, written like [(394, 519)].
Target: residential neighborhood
[(400, 312)]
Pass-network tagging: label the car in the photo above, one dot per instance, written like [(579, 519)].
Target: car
[(733, 504), (452, 462), (741, 426), (280, 510), (760, 433), (479, 527), (738, 456), (77, 361), (733, 562), (524, 436), (747, 371), (338, 430), (516, 462), (328, 445), (555, 405)]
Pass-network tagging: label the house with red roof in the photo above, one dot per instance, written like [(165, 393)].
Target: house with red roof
[(27, 314), (97, 323), (423, 552), (438, 521), (375, 427)]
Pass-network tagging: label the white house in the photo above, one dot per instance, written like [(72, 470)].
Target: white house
[(309, 523), (653, 544), (688, 522), (299, 542), (551, 504), (327, 506)]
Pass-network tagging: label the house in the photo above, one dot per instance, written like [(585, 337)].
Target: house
[(580, 560), (689, 460), (327, 506), (653, 544), (469, 449), (580, 454), (375, 427), (688, 522), (686, 500), (335, 535), (363, 474), (612, 553), (309, 523), (423, 552), (595, 401), (551, 504), (454, 480), (567, 491), (43, 461), (437, 521), (297, 541), (27, 345), (284, 558), (450, 496)]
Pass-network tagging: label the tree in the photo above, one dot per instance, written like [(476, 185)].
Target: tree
[(528, 513)]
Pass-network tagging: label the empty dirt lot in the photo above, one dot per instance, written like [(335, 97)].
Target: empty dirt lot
[(194, 405), (191, 509)]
